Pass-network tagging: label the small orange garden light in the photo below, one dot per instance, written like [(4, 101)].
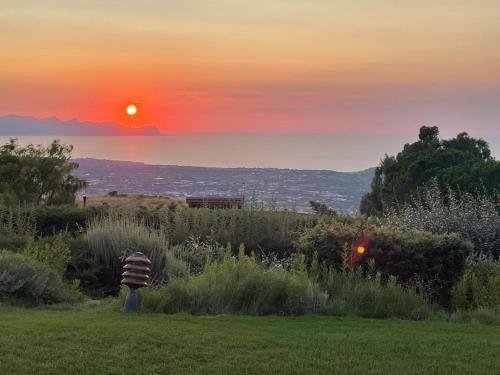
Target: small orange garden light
[(360, 249)]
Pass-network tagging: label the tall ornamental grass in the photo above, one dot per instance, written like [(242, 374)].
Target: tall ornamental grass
[(112, 238), (265, 231), (237, 285), (17, 220), (243, 285), (352, 293)]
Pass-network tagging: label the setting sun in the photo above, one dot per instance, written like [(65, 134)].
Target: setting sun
[(131, 109)]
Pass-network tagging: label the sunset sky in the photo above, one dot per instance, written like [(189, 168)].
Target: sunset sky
[(275, 66)]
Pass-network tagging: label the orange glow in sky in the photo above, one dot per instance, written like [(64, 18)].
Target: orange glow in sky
[(279, 66)]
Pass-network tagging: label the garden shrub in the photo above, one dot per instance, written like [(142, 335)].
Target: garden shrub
[(414, 256), (51, 251), (26, 280), (14, 242), (479, 286), (265, 231), (243, 286), (196, 252), (476, 217), (329, 240), (71, 219), (112, 238), (409, 255)]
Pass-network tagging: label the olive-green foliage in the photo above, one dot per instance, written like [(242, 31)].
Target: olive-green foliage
[(17, 220), (112, 238), (54, 252), (462, 163), (479, 286), (28, 281), (267, 231), (14, 242), (416, 256), (17, 227), (37, 175), (238, 285), (244, 286), (482, 315), (353, 293), (476, 217), (409, 255), (68, 218), (263, 230), (329, 240), (196, 253)]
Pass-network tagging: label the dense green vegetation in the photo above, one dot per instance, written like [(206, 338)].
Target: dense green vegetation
[(96, 342), (36, 174), (475, 217), (312, 267), (433, 256), (462, 163)]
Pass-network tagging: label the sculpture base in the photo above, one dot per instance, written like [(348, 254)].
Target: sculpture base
[(130, 305)]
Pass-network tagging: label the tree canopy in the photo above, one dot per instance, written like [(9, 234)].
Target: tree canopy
[(462, 163), (37, 174)]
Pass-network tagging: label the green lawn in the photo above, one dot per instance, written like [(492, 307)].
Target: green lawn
[(96, 342)]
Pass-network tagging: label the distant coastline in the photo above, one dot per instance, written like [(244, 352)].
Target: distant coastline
[(19, 126), (284, 188)]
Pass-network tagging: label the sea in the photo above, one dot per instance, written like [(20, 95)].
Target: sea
[(344, 153), (288, 171)]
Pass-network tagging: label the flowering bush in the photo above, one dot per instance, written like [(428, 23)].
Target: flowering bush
[(475, 217)]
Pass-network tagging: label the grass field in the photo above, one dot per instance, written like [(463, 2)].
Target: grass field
[(97, 342)]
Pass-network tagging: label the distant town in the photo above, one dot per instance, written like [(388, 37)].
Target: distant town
[(283, 188)]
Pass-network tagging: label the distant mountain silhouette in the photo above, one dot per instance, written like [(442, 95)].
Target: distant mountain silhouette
[(13, 125)]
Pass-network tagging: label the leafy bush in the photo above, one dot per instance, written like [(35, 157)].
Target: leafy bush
[(26, 280), (329, 240), (476, 217), (409, 255), (479, 286), (38, 175), (14, 242), (414, 256), (196, 253), (112, 238), (51, 220), (243, 286), (54, 252), (462, 163)]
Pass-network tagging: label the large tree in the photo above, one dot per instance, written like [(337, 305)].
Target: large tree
[(37, 174), (462, 163)]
